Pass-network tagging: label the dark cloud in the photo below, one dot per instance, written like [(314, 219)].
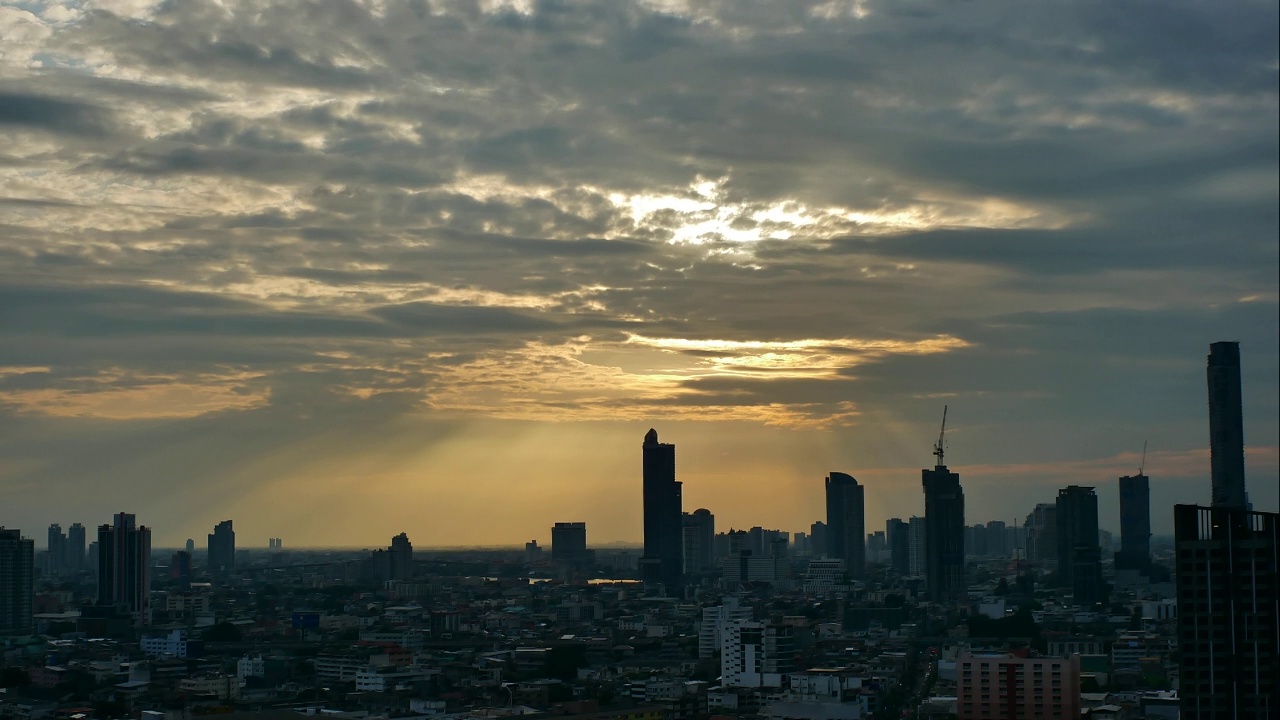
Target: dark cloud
[(56, 115)]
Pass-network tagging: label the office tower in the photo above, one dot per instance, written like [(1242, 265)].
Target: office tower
[(1226, 426), (180, 568), (699, 540), (569, 542), (17, 577), (1042, 535), (818, 538), (57, 554), (663, 525), (846, 529), (917, 546), (222, 548), (1228, 612), (997, 539), (1079, 555), (124, 566), (944, 534), (899, 539), (1135, 524), (1001, 686), (75, 547), (400, 556)]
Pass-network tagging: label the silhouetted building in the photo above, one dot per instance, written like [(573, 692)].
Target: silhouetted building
[(846, 528), (75, 547), (898, 536), (1079, 555), (222, 548), (400, 557), (660, 566), (180, 568), (918, 543), (1228, 612), (944, 534), (1226, 426), (818, 537), (1042, 535), (997, 539), (191, 546), (699, 541), (17, 577), (569, 543), (57, 553), (124, 566), (1135, 524)]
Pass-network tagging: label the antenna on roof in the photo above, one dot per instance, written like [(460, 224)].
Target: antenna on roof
[(1144, 457), (938, 449)]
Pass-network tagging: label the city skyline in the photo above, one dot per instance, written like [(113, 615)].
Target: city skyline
[(329, 270)]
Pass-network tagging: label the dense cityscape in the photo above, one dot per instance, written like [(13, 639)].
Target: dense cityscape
[(931, 617)]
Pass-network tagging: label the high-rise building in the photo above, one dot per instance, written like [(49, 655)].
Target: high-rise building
[(1002, 686), (180, 568), (191, 546), (917, 548), (818, 537), (944, 534), (1226, 426), (846, 528), (1079, 555), (997, 538), (124, 566), (755, 654), (569, 542), (1042, 535), (699, 541), (17, 576), (1228, 612), (660, 565), (897, 535), (57, 553), (222, 547), (1135, 524), (400, 557), (75, 548)]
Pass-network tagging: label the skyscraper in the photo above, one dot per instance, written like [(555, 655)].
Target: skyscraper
[(222, 547), (818, 537), (400, 558), (57, 554), (846, 529), (944, 534), (569, 542), (899, 539), (917, 539), (1042, 534), (1079, 555), (1228, 612), (1135, 524), (124, 566), (75, 547), (1226, 426), (17, 575), (663, 535), (699, 541)]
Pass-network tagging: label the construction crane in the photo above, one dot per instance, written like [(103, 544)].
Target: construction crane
[(1144, 457), (938, 449)]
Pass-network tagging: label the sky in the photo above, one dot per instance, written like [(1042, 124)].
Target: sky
[(338, 269)]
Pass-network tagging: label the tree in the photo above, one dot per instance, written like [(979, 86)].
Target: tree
[(222, 632)]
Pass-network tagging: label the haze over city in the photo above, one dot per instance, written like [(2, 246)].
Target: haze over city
[(339, 270)]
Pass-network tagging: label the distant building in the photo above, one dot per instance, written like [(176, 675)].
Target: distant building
[(532, 553), (1228, 612), (660, 566), (124, 566), (569, 543), (1079, 554), (400, 558), (1135, 524), (818, 538), (898, 536), (180, 568), (1042, 535), (191, 547), (755, 654), (1000, 686), (75, 548), (917, 539), (57, 554), (1226, 426), (222, 547), (699, 532), (944, 534), (17, 576), (846, 528)]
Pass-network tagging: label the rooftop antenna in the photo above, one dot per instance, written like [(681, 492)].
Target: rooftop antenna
[(1144, 457), (938, 449)]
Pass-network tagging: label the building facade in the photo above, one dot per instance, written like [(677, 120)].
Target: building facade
[(846, 526), (1000, 686), (660, 565)]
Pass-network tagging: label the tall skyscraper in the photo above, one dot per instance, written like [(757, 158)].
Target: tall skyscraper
[(191, 547), (898, 536), (663, 524), (1226, 426), (1135, 524), (1042, 535), (1079, 555), (944, 534), (918, 540), (17, 575), (124, 566), (846, 528), (75, 547), (569, 542), (1228, 612), (400, 557), (57, 554), (222, 547), (699, 541)]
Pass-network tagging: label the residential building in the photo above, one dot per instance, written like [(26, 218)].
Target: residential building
[(1002, 686)]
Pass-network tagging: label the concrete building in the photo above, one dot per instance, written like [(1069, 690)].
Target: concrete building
[(755, 654), (660, 565), (713, 620), (1000, 686), (821, 694), (215, 685), (1226, 426), (174, 643), (124, 566), (1228, 612), (17, 575), (846, 526)]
